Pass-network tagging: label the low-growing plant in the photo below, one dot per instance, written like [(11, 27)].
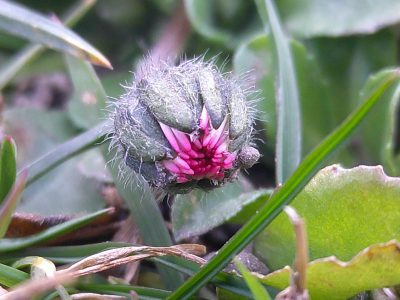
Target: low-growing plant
[(170, 184)]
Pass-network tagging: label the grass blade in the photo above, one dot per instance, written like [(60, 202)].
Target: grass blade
[(10, 203), (88, 102), (288, 136), (65, 151), (256, 287), (30, 52), (121, 289), (146, 213), (8, 166), (50, 233), (18, 20), (10, 276), (307, 169), (388, 150)]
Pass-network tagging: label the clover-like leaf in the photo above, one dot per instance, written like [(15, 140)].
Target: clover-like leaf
[(329, 278), (345, 211)]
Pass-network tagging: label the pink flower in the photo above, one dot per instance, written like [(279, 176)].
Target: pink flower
[(184, 127), (202, 155)]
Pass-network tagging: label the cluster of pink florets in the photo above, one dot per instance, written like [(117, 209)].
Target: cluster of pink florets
[(203, 155)]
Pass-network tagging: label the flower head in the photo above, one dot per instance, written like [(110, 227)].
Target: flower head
[(184, 127)]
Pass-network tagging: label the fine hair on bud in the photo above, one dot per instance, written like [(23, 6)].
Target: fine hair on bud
[(184, 126)]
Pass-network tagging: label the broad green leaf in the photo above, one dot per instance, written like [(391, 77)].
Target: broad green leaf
[(20, 21), (198, 212), (9, 204), (289, 190), (144, 209), (8, 166), (289, 133), (257, 289), (50, 233), (88, 102), (223, 22), (10, 276), (30, 52), (340, 207), (39, 133), (375, 267), (311, 18)]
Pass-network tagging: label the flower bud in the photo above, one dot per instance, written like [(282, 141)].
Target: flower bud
[(184, 127)]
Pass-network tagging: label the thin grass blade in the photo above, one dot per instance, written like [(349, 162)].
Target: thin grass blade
[(18, 20), (30, 52), (50, 233), (10, 276), (10, 203), (257, 289), (88, 102), (388, 150), (146, 213), (288, 136), (8, 166)]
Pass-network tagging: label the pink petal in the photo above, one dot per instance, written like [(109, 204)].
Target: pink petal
[(171, 166), (183, 139), (181, 163), (204, 119), (170, 136)]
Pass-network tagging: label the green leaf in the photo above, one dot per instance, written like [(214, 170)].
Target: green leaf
[(143, 206), (375, 267), (20, 21), (199, 16), (120, 289), (257, 289), (30, 52), (288, 136), (311, 18), (38, 132), (9, 204), (198, 212), (61, 254), (65, 151), (339, 206), (50, 233), (389, 136), (306, 170), (88, 102), (223, 22), (10, 276), (8, 166)]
